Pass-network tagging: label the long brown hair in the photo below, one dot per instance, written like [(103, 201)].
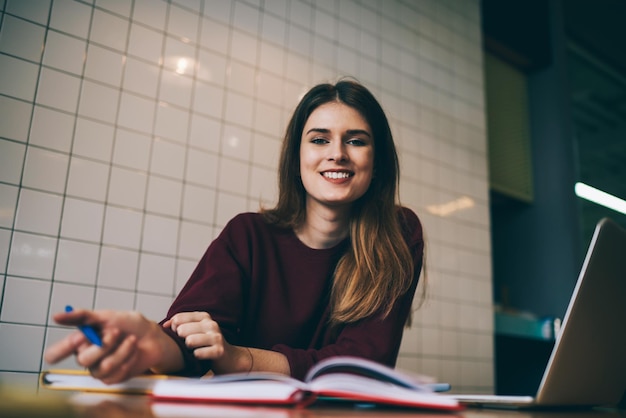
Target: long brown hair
[(378, 266)]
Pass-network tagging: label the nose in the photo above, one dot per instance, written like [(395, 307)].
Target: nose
[(337, 151)]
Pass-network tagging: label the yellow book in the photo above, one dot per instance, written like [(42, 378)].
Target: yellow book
[(81, 380)]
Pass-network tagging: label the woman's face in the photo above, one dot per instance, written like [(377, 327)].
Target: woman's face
[(336, 155)]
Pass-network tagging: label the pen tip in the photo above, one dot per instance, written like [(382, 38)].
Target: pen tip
[(68, 308)]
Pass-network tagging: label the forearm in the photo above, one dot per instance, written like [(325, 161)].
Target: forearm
[(239, 359)]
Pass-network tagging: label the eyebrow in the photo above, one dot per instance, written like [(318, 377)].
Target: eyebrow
[(349, 131)]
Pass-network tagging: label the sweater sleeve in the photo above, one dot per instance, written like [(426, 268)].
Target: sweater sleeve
[(375, 338), (215, 286)]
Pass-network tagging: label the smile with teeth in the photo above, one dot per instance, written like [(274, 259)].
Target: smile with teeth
[(337, 174)]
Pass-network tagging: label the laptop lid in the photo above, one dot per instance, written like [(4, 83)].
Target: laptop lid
[(588, 362), (587, 366)]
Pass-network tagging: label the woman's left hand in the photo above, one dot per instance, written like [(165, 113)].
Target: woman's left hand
[(204, 336), (201, 333)]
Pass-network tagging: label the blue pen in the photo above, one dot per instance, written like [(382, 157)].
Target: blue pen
[(439, 387), (87, 330)]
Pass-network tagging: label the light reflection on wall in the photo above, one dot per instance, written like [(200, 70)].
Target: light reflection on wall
[(182, 65), (448, 208)]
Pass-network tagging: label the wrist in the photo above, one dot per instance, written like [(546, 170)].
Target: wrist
[(166, 354), (236, 359), (251, 367)]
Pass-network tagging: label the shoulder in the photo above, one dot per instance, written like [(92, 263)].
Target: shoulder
[(410, 225), (246, 221), (249, 224), (246, 218)]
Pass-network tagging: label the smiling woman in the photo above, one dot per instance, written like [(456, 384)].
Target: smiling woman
[(379, 266), (330, 270)]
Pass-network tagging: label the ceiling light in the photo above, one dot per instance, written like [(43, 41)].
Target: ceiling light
[(601, 198)]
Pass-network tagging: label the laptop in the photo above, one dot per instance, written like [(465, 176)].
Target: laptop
[(587, 366)]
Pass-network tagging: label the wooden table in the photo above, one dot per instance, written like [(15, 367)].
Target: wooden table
[(48, 403)]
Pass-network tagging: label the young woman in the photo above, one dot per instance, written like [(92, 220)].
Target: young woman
[(331, 270)]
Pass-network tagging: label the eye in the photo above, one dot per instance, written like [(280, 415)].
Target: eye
[(318, 140), (357, 142)]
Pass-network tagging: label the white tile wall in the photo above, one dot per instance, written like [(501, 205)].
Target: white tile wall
[(77, 262), (132, 131), (14, 119), (60, 139)]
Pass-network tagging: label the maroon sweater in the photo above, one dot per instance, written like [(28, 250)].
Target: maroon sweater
[(268, 290)]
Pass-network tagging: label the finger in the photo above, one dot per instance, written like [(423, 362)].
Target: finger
[(167, 324), (91, 355), (202, 327), (83, 317), (209, 353), (204, 340), (190, 316), (82, 347), (126, 369), (64, 348), (117, 365), (185, 317), (75, 317)]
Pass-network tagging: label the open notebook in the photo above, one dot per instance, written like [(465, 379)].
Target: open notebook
[(587, 366)]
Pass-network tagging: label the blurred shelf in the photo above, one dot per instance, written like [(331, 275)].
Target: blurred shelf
[(525, 326)]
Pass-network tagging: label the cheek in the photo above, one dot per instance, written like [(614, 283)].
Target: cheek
[(367, 162), (303, 165), (371, 174), (307, 168), (309, 160)]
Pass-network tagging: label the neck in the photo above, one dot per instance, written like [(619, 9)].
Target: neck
[(324, 227)]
